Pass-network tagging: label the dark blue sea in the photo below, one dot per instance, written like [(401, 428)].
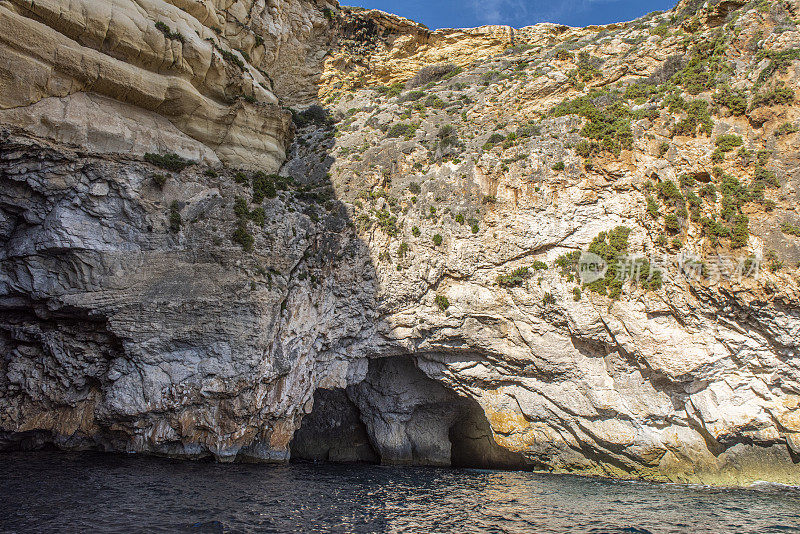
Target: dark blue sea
[(71, 492)]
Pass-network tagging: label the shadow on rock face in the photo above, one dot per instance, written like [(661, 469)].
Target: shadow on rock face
[(408, 418)]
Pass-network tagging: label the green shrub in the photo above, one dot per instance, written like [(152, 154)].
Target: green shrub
[(258, 215), (763, 177), (402, 130), (437, 239), (264, 186), (652, 207), (728, 142), (786, 128), (773, 263), (160, 180), (576, 294), (610, 126), (243, 237), (447, 135), (414, 188), (779, 61), (791, 229), (240, 208), (564, 55), (584, 148), (587, 70), (559, 166), (171, 162), (709, 192), (638, 91), (313, 114), (739, 231), (387, 222), (514, 278), (175, 221), (775, 97), (392, 90), (735, 101), (411, 96), (402, 250), (442, 302), (568, 264), (435, 102), (539, 266), (494, 139), (415, 231), (474, 227), (671, 223), (697, 117), (168, 33), (548, 299), (670, 192)]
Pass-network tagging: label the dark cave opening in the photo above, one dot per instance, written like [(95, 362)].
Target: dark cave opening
[(333, 432), (398, 415)]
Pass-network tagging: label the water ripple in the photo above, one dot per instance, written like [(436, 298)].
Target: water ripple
[(59, 492)]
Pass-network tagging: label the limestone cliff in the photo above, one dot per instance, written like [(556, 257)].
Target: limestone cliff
[(196, 261)]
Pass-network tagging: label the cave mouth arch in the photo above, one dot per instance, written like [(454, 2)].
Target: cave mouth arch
[(399, 416)]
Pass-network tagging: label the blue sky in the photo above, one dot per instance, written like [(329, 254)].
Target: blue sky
[(517, 13)]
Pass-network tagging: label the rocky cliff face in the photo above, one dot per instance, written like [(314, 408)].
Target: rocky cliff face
[(195, 262)]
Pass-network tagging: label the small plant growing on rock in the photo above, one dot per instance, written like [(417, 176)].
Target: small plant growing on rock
[(437, 239), (175, 221), (548, 299), (671, 223), (652, 207), (402, 130), (515, 278), (243, 237), (415, 231), (773, 263), (171, 162), (786, 128), (442, 302), (160, 180), (791, 229), (559, 166), (168, 33), (728, 142), (539, 265)]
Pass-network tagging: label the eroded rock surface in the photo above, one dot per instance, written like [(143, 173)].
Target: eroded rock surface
[(415, 258)]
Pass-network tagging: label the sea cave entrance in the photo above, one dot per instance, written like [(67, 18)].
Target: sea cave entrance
[(399, 416)]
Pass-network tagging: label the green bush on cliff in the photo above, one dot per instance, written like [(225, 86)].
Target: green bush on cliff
[(175, 221), (610, 125), (171, 162), (515, 278), (728, 142), (735, 101)]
